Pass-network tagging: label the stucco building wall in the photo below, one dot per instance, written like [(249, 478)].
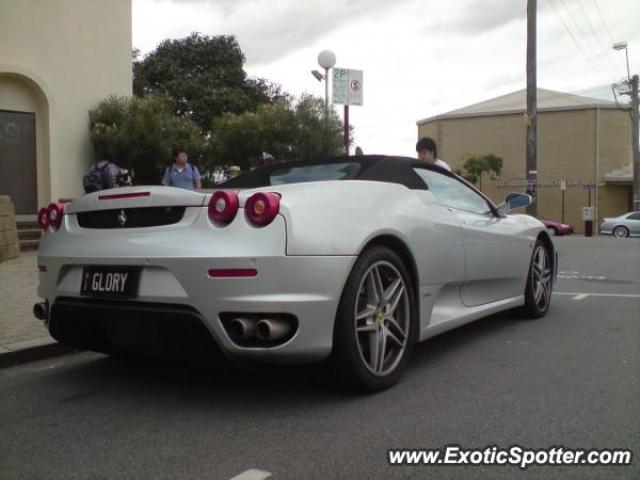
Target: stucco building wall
[(58, 59)]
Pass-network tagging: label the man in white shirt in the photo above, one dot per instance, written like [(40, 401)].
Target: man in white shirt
[(428, 152)]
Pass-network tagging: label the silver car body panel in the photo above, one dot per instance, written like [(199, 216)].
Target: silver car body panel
[(467, 267)]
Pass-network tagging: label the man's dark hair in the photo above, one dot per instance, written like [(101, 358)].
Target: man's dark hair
[(178, 151), (426, 143)]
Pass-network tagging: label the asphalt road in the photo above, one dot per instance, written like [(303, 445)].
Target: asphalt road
[(571, 379)]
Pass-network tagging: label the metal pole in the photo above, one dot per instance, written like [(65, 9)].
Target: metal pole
[(597, 182), (326, 90), (588, 224), (532, 110), (346, 129), (634, 141), (562, 206), (626, 52)]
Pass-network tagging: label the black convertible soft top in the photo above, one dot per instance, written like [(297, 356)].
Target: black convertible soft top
[(380, 168)]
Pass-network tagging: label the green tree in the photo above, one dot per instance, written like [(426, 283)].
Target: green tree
[(203, 76), (475, 166), (286, 130), (141, 133)]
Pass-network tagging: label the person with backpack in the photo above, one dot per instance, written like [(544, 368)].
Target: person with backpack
[(182, 174), (102, 175)]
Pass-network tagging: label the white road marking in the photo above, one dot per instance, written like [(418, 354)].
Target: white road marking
[(576, 294), (580, 297), (253, 474), (571, 275), (582, 277)]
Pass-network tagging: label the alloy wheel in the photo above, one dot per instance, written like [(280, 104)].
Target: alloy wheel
[(382, 317), (541, 272)]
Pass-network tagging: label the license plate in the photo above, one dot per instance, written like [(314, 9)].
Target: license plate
[(110, 281)]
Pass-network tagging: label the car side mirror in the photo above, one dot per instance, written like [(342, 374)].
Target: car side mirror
[(514, 201)]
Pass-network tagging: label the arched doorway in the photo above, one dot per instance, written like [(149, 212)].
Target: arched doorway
[(24, 142)]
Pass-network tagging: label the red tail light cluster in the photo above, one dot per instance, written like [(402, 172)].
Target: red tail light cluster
[(223, 207), (51, 217), (261, 208), (43, 218)]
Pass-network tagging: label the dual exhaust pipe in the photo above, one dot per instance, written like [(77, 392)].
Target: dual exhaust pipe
[(265, 330), (41, 311)]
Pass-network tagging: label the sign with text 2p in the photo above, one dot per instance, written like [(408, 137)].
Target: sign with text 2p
[(347, 86)]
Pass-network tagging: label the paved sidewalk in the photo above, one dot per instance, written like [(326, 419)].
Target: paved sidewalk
[(19, 329)]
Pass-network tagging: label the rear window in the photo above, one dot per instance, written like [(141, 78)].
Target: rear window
[(315, 173)]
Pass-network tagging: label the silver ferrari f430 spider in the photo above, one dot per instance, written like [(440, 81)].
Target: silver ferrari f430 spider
[(351, 260)]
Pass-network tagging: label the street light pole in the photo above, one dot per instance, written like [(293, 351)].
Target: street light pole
[(326, 89), (626, 53), (326, 59), (623, 46)]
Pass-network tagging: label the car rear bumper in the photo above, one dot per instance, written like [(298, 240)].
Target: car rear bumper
[(133, 328), (174, 262), (178, 293)]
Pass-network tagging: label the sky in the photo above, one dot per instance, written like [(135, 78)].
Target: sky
[(419, 58)]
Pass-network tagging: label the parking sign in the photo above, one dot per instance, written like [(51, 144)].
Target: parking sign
[(347, 86)]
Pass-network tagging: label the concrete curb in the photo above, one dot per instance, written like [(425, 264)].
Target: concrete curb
[(31, 351)]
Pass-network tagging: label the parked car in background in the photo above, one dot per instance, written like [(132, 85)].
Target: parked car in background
[(557, 228), (623, 226)]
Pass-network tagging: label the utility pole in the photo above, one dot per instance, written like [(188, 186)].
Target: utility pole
[(532, 107), (634, 140)]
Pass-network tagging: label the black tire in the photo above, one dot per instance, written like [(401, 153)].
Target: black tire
[(620, 232), (348, 359), (536, 306)]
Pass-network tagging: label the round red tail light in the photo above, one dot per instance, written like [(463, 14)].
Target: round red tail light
[(262, 207), (43, 218), (223, 207), (55, 211)]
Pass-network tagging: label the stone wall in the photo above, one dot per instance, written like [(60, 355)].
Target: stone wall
[(9, 246)]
